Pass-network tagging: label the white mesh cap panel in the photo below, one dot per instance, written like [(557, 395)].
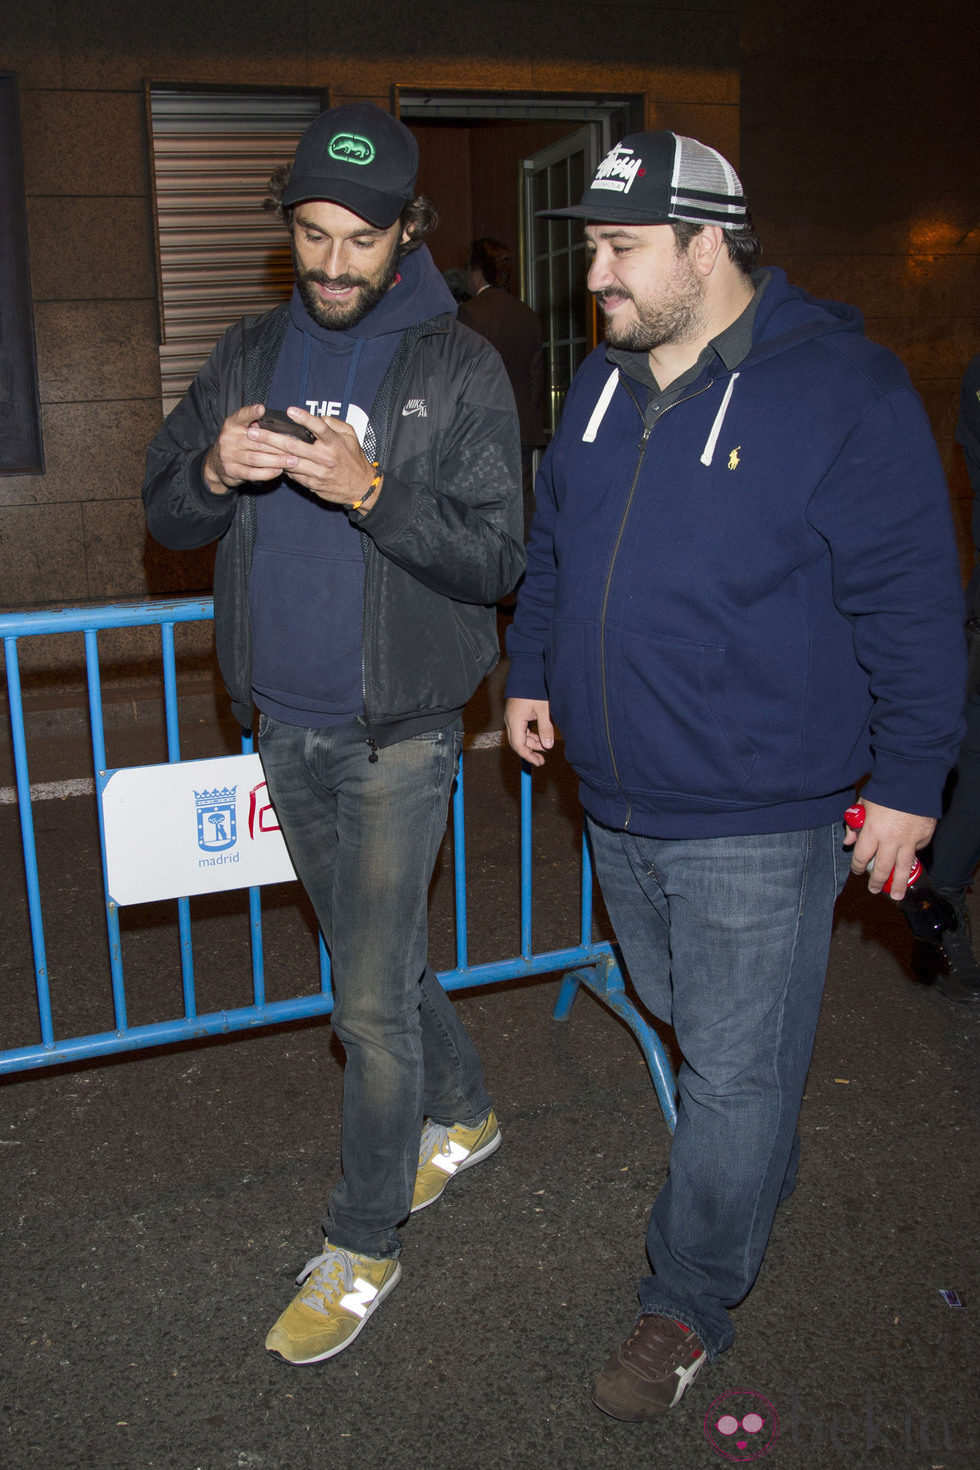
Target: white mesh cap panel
[(705, 189)]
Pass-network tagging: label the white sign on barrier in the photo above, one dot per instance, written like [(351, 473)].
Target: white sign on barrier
[(190, 827)]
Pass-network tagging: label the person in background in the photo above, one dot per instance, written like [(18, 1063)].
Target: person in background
[(364, 537), (455, 279), (515, 331), (741, 599), (954, 854)]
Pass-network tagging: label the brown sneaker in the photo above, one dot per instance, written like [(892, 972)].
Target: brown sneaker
[(650, 1372)]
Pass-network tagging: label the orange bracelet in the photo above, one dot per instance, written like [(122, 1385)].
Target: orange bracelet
[(378, 477)]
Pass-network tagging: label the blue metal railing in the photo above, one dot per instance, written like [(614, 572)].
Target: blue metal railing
[(587, 962)]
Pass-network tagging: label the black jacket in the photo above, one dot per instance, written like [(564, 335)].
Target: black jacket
[(442, 544)]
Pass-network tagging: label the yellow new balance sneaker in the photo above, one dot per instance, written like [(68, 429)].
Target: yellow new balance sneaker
[(444, 1152), (341, 1291)]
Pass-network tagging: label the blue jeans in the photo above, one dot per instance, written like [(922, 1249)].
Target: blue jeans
[(363, 836), (727, 939)]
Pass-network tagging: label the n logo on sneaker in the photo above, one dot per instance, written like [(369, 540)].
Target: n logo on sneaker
[(450, 1161), (358, 1300)]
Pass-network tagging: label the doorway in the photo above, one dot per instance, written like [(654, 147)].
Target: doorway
[(489, 161)]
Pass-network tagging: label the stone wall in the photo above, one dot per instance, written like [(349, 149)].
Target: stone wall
[(850, 133), (75, 532), (862, 167)]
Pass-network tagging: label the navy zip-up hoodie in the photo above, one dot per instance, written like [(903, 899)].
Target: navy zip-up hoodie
[(742, 611)]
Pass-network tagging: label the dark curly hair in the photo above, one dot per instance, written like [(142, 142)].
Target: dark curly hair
[(419, 218), (743, 244)]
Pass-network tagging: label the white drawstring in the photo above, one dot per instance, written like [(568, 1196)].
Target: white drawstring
[(599, 412), (609, 388), (709, 448)]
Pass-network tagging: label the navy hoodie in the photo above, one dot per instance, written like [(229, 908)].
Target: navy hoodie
[(307, 580), (743, 610)]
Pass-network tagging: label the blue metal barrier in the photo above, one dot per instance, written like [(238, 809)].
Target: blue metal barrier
[(586, 963)]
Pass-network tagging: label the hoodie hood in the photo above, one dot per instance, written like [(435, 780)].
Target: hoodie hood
[(783, 317), (419, 293), (337, 373), (787, 315)]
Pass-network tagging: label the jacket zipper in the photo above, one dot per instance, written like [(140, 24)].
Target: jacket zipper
[(381, 452), (641, 449)]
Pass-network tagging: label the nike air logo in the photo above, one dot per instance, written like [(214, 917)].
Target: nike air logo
[(415, 407)]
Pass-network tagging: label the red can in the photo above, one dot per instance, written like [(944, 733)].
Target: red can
[(854, 818)]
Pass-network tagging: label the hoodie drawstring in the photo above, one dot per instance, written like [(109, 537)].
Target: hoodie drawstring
[(355, 358), (304, 375), (599, 412), (709, 448), (609, 388)]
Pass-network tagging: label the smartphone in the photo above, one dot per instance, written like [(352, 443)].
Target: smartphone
[(277, 421)]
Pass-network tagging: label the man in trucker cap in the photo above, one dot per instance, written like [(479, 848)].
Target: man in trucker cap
[(741, 600)]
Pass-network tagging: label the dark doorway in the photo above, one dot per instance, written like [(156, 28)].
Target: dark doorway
[(486, 160)]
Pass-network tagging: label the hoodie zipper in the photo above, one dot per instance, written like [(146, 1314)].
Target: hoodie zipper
[(641, 449)]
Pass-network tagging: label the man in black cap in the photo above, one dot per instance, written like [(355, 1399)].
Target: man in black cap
[(355, 455), (742, 598)]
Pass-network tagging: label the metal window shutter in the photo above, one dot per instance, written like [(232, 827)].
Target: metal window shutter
[(221, 255)]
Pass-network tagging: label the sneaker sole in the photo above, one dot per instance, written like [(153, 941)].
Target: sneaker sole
[(389, 1285), (476, 1157)]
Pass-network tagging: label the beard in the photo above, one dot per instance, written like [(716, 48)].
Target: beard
[(340, 316), (676, 317)]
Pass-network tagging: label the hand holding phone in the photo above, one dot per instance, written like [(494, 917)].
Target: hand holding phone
[(277, 421)]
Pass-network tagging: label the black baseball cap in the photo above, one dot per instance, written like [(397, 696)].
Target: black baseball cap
[(654, 178), (358, 156)]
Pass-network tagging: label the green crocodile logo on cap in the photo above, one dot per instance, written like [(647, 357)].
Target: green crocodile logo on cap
[(351, 148)]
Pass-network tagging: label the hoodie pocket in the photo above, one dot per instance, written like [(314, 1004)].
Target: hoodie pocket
[(574, 680), (672, 723)]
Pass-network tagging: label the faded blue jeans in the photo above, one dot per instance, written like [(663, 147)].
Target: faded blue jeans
[(727, 939), (363, 837)]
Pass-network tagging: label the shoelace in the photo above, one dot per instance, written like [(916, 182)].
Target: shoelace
[(656, 1340), (435, 1140), (331, 1272)]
